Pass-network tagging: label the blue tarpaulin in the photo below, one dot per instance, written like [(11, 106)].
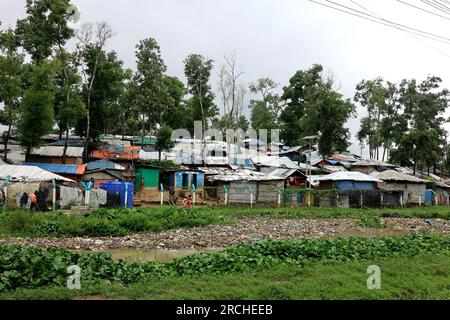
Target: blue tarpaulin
[(354, 185)]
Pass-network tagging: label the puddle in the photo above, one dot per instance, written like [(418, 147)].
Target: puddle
[(156, 255), (372, 233)]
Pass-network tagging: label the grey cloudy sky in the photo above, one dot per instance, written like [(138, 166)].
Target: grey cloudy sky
[(273, 38)]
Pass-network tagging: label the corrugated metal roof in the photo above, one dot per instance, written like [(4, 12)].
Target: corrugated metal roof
[(371, 162), (28, 174), (103, 164), (333, 168), (244, 175), (348, 176), (59, 168), (57, 151), (393, 175), (285, 173)]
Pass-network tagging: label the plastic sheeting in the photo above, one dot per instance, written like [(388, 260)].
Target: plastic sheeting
[(70, 197), (18, 189), (97, 198), (28, 174)]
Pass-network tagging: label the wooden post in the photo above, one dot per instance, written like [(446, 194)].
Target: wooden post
[(251, 196), (53, 195), (361, 199), (436, 201), (161, 194), (126, 195), (226, 195), (279, 198), (5, 192), (193, 195)]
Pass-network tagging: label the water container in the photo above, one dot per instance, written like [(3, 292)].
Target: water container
[(123, 188)]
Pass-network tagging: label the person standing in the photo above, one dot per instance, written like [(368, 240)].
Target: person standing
[(33, 206)]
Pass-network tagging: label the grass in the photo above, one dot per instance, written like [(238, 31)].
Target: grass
[(121, 222), (426, 276), (32, 267)]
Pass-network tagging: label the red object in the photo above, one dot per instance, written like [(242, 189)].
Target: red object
[(129, 153), (33, 198)]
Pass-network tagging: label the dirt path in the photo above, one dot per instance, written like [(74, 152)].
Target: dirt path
[(243, 231)]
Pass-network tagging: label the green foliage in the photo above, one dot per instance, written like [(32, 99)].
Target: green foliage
[(197, 70), (428, 278), (371, 222), (177, 114), (30, 267), (265, 113), (44, 27), (106, 71), (164, 140), (120, 222), (148, 86), (37, 107), (315, 108), (11, 83)]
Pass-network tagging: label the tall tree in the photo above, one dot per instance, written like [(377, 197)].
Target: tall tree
[(265, 111), (231, 90), (37, 107), (313, 107), (45, 27), (197, 70), (177, 114), (148, 84), (11, 83), (44, 33), (92, 40), (383, 124), (424, 105), (103, 95), (163, 140)]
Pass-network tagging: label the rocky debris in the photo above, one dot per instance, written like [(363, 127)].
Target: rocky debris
[(241, 231)]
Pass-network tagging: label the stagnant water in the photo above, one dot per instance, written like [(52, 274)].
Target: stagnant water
[(165, 255)]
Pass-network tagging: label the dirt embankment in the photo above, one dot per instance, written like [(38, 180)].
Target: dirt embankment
[(243, 231)]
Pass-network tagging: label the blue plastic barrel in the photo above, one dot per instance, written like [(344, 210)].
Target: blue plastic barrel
[(121, 188)]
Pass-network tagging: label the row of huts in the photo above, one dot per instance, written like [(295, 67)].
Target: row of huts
[(296, 176)]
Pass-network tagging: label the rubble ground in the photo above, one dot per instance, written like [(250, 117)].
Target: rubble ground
[(242, 230)]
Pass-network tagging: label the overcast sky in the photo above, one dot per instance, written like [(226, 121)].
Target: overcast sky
[(274, 38)]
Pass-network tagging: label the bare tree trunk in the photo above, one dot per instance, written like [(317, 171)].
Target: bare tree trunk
[(66, 144), (6, 140)]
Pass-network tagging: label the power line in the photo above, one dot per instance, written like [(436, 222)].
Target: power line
[(425, 10), (435, 6), (441, 4), (379, 22), (425, 43), (390, 22)]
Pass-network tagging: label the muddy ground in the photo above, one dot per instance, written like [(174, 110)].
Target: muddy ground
[(242, 231)]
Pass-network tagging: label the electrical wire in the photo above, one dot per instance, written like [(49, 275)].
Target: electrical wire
[(425, 43), (425, 10), (391, 22), (379, 22)]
